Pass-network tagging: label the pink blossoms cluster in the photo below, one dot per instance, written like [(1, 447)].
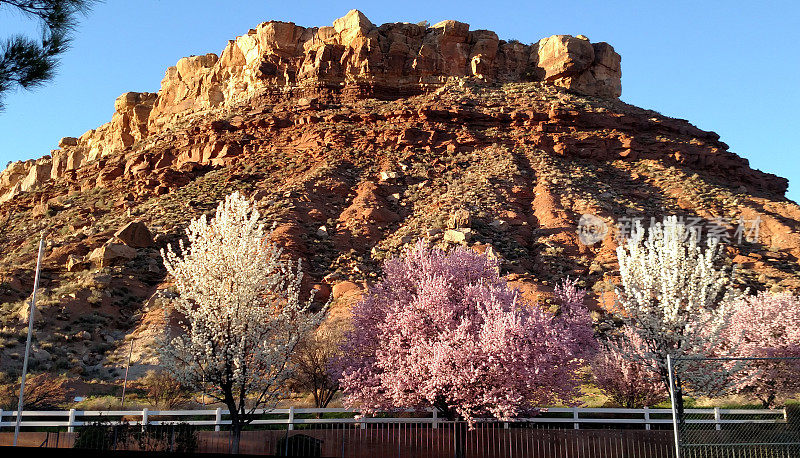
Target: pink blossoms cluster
[(767, 326), (444, 330)]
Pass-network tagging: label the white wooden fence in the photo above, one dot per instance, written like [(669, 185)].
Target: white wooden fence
[(577, 416)]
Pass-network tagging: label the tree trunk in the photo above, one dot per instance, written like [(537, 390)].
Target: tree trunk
[(459, 427), (236, 430), (236, 435), (459, 440)]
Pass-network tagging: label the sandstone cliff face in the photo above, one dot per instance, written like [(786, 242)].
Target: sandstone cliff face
[(390, 60), (128, 125), (352, 57)]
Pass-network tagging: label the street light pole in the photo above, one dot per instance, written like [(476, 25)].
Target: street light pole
[(28, 342)]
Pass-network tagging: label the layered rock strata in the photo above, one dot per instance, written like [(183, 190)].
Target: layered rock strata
[(352, 58)]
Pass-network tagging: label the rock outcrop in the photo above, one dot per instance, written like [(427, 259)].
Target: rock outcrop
[(353, 57), (384, 61), (279, 62), (128, 125)]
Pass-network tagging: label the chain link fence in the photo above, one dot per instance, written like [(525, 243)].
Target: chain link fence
[(740, 407)]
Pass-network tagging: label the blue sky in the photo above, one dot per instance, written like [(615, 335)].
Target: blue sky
[(731, 67)]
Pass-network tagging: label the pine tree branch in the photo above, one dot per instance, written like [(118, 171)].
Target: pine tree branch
[(30, 63)]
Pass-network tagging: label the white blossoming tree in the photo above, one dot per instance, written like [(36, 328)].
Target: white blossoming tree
[(674, 300), (241, 313)]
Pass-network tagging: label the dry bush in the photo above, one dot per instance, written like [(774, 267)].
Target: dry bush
[(163, 391), (312, 363), (42, 392), (8, 399)]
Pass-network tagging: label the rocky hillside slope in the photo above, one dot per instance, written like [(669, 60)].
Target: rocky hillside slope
[(356, 140)]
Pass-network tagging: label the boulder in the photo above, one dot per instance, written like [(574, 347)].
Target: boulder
[(460, 218), (345, 288), (321, 292), (458, 235), (41, 355), (111, 254), (577, 64), (67, 141), (499, 224), (135, 234), (388, 175), (74, 263), (564, 55)]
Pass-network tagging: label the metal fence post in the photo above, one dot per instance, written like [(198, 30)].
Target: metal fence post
[(71, 421), (575, 417), (647, 418), (291, 418), (674, 405), (145, 414), (717, 418), (218, 419), (436, 418)]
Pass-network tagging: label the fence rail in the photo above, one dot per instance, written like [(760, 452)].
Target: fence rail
[(577, 416)]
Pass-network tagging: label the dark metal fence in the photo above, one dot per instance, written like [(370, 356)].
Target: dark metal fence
[(562, 432), (379, 439)]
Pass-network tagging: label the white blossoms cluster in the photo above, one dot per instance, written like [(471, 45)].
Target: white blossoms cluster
[(241, 312), (674, 300)]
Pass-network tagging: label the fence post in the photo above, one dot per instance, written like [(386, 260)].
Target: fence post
[(291, 418), (218, 419), (145, 414), (1, 417), (71, 421), (647, 418), (717, 418), (575, 416), (436, 418)]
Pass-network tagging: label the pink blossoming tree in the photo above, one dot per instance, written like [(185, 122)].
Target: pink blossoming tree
[(627, 382), (444, 330), (767, 325)]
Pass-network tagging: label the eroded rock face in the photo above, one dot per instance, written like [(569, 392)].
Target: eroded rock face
[(303, 69), (352, 56), (576, 64), (392, 58), (128, 125)]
